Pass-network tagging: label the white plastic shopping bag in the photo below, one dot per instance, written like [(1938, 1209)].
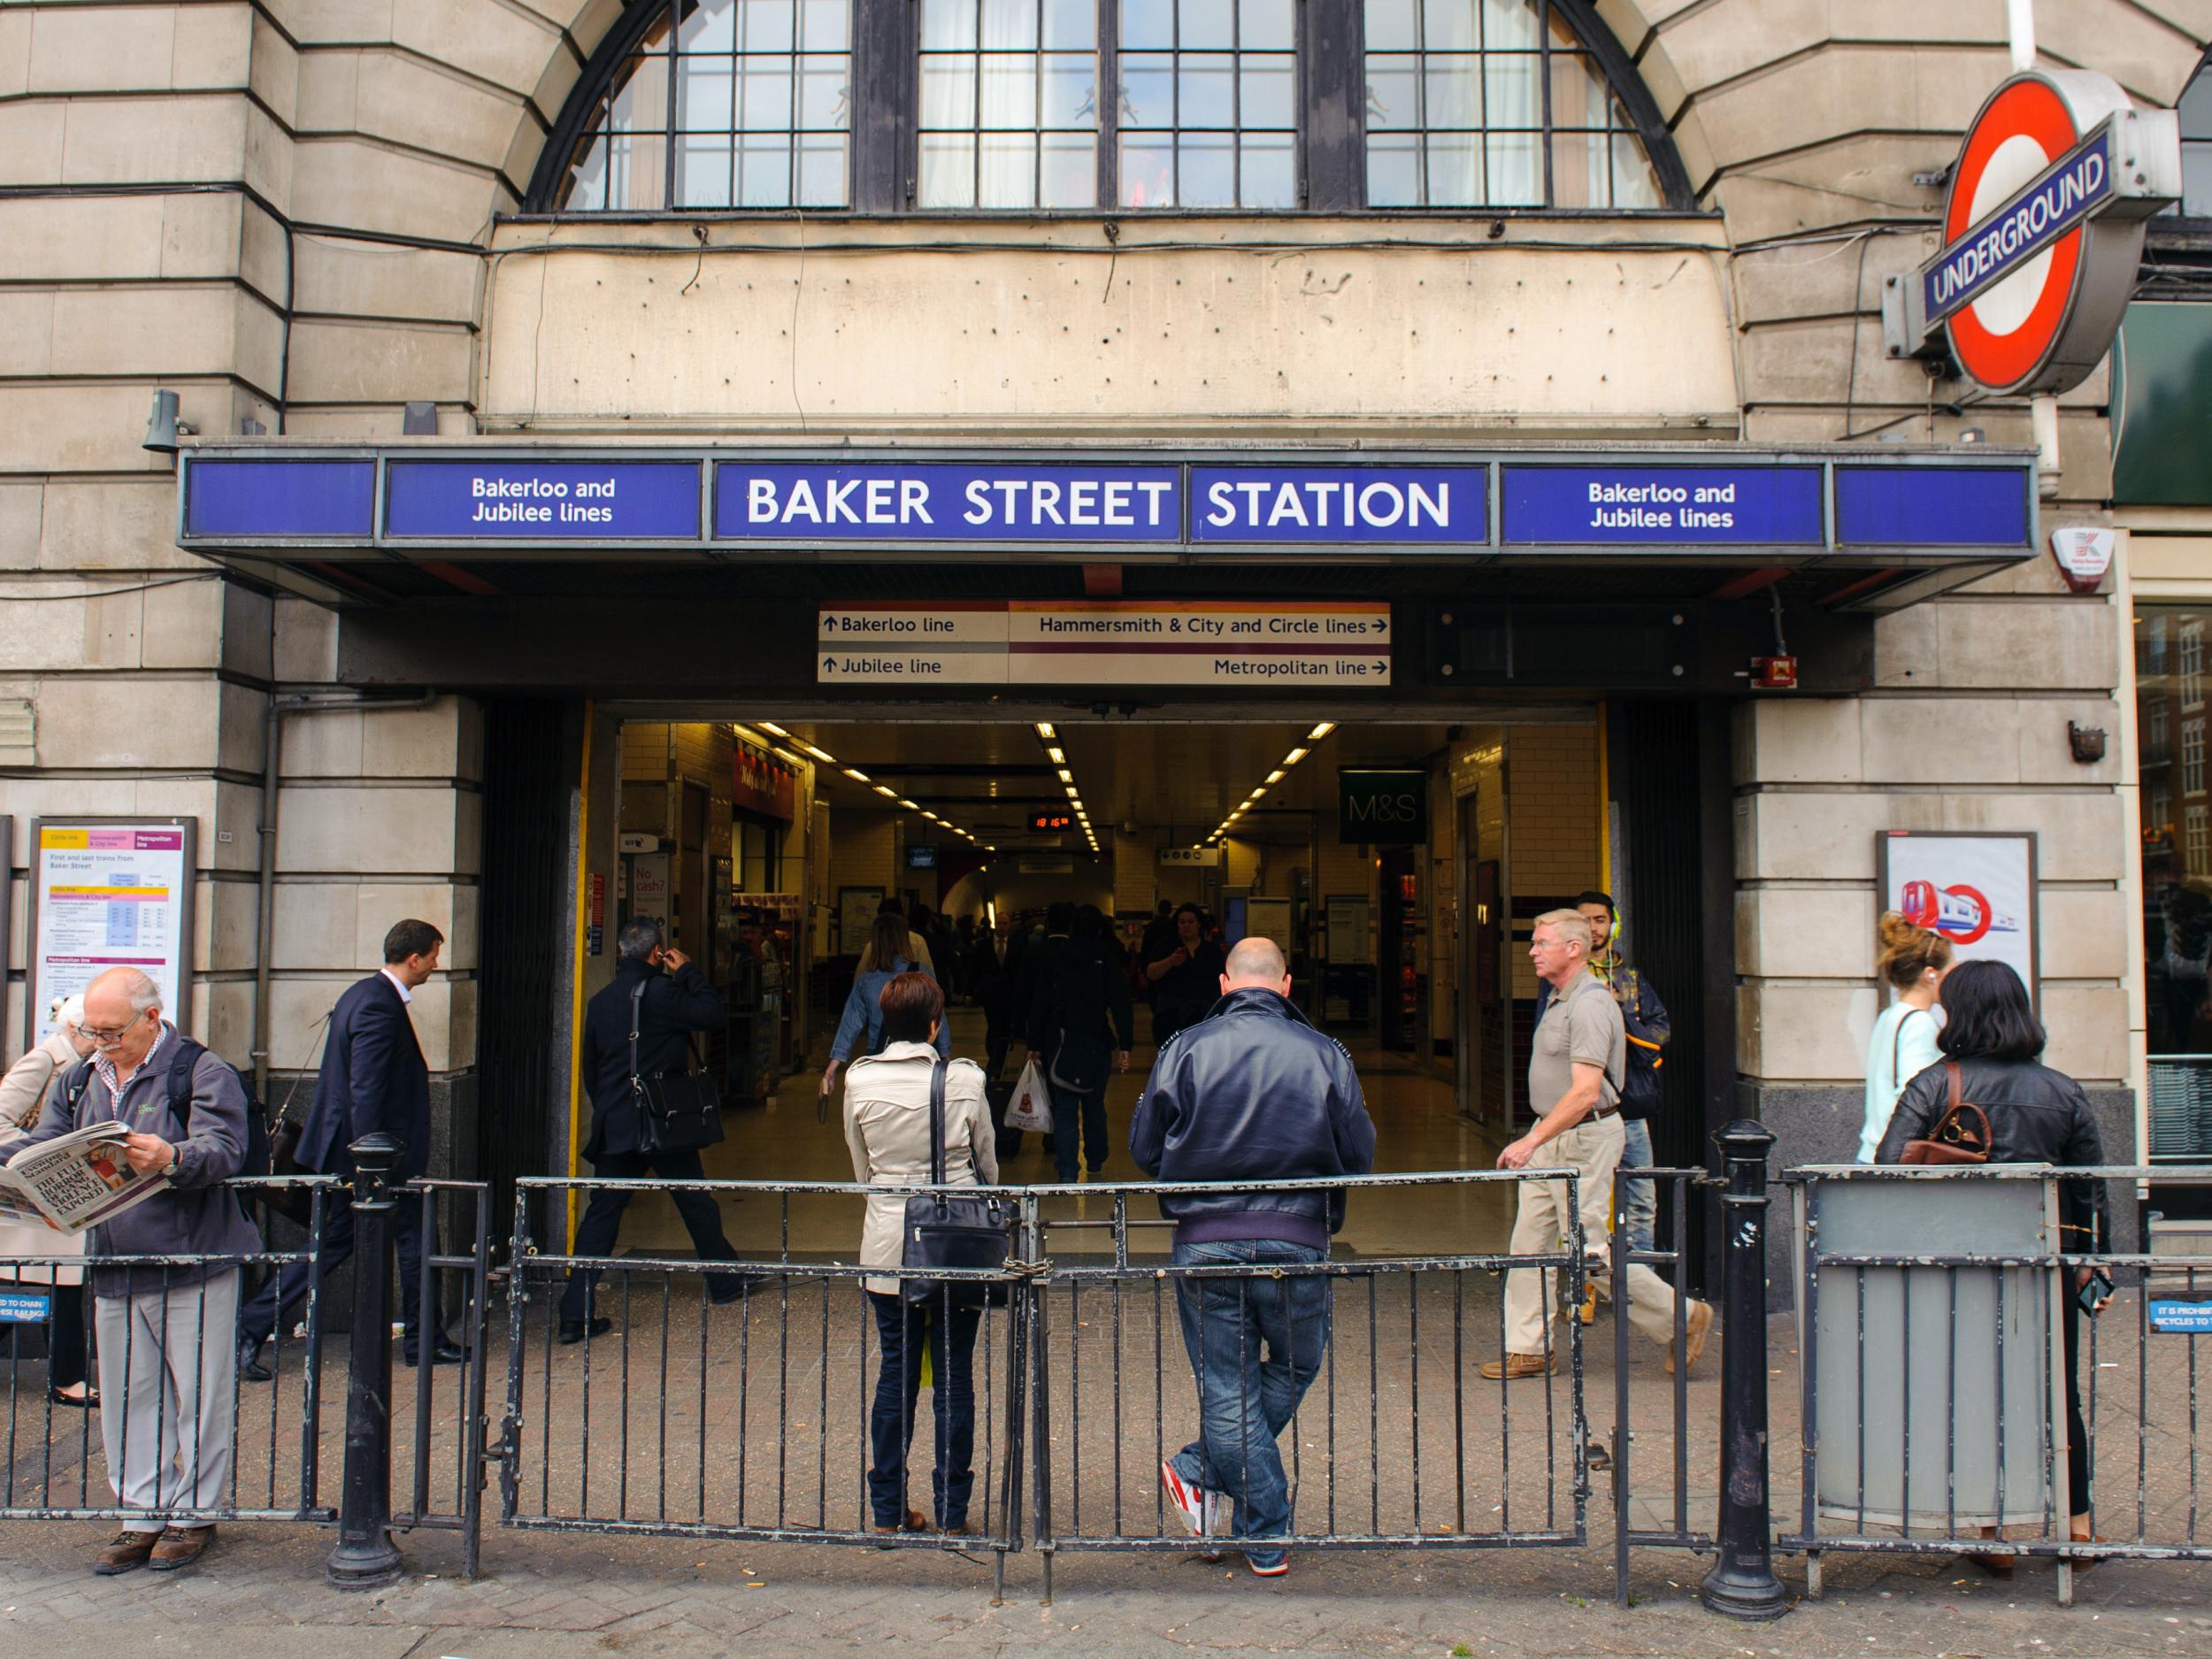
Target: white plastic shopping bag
[(1031, 1106)]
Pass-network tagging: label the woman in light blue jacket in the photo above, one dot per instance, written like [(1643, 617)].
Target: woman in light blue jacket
[(860, 1029), (1913, 962)]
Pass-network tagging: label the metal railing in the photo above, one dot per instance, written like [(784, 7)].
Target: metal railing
[(1961, 1458), (1411, 1448), (447, 1450), (733, 1399), (58, 1459)]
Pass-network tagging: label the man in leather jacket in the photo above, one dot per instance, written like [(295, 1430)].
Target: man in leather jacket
[(1251, 1094)]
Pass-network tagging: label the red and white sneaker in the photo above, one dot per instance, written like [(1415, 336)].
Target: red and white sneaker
[(1195, 1504)]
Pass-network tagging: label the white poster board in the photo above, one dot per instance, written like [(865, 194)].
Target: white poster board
[(1346, 921), (1268, 919), (108, 893), (1976, 888)]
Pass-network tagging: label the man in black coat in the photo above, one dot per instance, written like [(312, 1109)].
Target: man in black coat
[(374, 1080), (677, 1001)]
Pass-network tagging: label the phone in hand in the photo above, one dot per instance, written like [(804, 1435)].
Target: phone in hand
[(2095, 1292)]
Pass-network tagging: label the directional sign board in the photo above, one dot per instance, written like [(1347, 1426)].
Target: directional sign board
[(1106, 642)]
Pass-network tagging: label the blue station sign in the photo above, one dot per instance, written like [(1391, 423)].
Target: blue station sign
[(1648, 506), (2064, 195), (906, 501), (1696, 506)]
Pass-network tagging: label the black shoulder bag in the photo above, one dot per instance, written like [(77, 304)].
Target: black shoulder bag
[(942, 1231), (679, 1111)]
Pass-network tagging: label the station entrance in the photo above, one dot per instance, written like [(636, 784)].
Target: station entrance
[(1399, 860)]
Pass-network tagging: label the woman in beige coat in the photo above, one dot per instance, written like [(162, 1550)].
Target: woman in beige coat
[(887, 1125), (23, 1093)]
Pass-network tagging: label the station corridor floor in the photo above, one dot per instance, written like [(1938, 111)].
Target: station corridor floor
[(1418, 1128)]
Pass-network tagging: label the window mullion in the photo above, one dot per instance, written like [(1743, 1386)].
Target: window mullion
[(1107, 98), (1543, 73), (668, 119)]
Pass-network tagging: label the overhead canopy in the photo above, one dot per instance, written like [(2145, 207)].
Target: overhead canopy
[(1880, 527)]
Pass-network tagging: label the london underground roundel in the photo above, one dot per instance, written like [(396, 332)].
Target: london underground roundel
[(2036, 267)]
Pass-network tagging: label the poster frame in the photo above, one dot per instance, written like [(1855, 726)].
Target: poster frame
[(180, 1015), (2026, 839), (872, 897)]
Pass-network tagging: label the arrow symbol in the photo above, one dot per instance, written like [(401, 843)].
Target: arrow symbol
[(1382, 625), (1382, 668), (829, 665)]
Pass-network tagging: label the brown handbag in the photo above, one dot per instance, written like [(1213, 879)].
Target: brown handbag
[(1954, 1140)]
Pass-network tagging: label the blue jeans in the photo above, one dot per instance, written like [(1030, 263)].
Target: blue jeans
[(1073, 1111), (949, 1333), (1641, 1196), (1247, 1397)]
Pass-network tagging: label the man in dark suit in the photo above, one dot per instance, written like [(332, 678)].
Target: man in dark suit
[(676, 1000), (373, 1079)]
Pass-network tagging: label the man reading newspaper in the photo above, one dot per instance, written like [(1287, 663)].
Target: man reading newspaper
[(166, 1334)]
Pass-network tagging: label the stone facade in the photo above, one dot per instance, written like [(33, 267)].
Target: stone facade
[(297, 212)]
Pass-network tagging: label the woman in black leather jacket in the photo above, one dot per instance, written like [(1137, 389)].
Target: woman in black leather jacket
[(2036, 1116)]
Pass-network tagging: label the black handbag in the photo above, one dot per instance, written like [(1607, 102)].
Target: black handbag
[(677, 1111), (943, 1231)]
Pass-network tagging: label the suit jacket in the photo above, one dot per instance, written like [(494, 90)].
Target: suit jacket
[(374, 1080), (674, 1006)]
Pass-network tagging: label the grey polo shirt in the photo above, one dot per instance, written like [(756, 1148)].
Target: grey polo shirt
[(1582, 1023)]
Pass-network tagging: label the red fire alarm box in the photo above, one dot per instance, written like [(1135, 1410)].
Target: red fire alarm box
[(1774, 674)]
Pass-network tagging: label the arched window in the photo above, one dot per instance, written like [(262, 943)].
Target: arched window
[(1216, 105)]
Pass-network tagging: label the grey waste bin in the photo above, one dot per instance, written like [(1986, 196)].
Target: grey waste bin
[(1912, 1363)]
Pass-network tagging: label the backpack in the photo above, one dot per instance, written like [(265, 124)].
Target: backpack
[(258, 1159)]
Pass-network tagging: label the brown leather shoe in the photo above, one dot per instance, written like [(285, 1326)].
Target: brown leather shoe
[(915, 1522), (127, 1554), (1695, 1328), (1515, 1366), (180, 1547)]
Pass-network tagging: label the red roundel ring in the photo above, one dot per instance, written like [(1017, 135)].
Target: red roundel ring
[(2030, 108), (1974, 933)]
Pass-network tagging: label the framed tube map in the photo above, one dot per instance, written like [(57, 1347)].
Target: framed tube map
[(109, 892)]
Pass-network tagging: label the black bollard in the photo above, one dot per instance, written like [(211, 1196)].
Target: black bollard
[(365, 1557), (1742, 1583)]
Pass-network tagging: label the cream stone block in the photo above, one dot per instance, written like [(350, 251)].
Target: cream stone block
[(507, 47), (2079, 836), (1805, 933), (322, 743), (410, 103), (306, 646), (563, 69), (2072, 644), (298, 1006), (248, 616), (1366, 336), (116, 524), (329, 91), (1821, 835), (1790, 282), (37, 796), (372, 829), (27, 333), (127, 720), (21, 505), (2046, 754), (182, 626), (2088, 1027), (245, 712), (62, 428), (102, 48), (214, 46), (314, 923), (1708, 47), (1823, 185), (2152, 59), (1851, 88), (275, 74), (2081, 933), (226, 814), (429, 742), (113, 629), (31, 141), (1797, 1032), (224, 934), (360, 279), (349, 182), (185, 135), (1809, 362), (222, 1019), (15, 52), (1788, 742), (1941, 740), (173, 328), (199, 237), (261, 262), (39, 630), (450, 908), (362, 362)]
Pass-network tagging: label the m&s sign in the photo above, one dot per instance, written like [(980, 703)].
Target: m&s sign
[(1388, 808)]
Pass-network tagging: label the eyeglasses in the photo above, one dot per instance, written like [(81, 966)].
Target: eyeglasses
[(109, 1038)]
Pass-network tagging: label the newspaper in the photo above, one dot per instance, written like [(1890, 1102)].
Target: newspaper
[(75, 1181)]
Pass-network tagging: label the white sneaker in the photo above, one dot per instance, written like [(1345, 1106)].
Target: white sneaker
[(1195, 1504)]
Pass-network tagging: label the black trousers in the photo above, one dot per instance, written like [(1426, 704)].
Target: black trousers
[(950, 1335), (602, 1220), (68, 1353), (282, 1294), (2076, 1430)]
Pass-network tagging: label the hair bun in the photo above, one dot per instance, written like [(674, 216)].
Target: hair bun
[(1895, 932)]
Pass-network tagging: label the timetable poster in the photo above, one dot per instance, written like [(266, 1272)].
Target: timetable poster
[(109, 896)]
